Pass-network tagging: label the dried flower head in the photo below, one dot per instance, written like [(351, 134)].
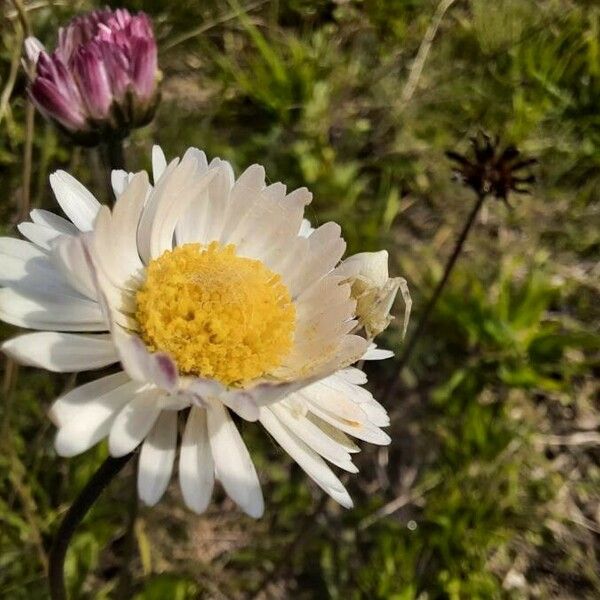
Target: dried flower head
[(102, 78), (492, 169)]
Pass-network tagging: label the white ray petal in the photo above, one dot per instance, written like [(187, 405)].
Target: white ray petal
[(32, 273), (115, 235), (76, 201), (159, 163), (364, 430), (133, 423), (148, 215), (305, 228), (181, 189), (307, 458), (62, 352), (92, 421), (241, 402), (16, 248), (375, 353), (233, 464), (334, 433), (245, 193), (68, 256), (67, 407), (325, 248), (157, 457), (40, 235), (197, 224), (374, 411), (353, 375), (49, 219), (118, 181), (196, 467), (314, 437), (50, 311)]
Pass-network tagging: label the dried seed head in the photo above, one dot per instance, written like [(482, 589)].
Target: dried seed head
[(489, 168)]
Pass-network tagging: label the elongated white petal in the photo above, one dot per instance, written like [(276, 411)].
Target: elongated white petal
[(133, 423), (40, 235), (203, 220), (196, 467), (314, 437), (22, 263), (353, 375), (115, 235), (67, 407), (233, 464), (50, 311), (159, 163), (307, 458), (374, 411), (119, 180), (375, 353), (334, 433), (62, 352), (68, 255), (242, 403), (225, 218), (325, 247), (93, 420), (175, 194), (148, 215), (157, 457), (276, 216), (38, 274), (75, 200), (49, 219), (364, 430), (305, 228)]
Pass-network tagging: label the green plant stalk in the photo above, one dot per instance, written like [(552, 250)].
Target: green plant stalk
[(107, 471)]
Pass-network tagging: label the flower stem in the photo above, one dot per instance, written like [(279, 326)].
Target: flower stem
[(115, 154), (113, 157), (90, 493), (123, 587), (414, 338)]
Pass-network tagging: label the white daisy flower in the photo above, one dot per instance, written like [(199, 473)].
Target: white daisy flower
[(212, 296)]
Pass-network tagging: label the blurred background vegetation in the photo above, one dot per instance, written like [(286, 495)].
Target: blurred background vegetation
[(491, 487)]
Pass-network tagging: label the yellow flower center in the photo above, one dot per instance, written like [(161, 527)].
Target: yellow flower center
[(219, 315)]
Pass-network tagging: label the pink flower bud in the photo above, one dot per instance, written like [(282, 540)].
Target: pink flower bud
[(102, 78)]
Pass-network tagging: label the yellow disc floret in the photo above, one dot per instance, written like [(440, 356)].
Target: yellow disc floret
[(219, 315)]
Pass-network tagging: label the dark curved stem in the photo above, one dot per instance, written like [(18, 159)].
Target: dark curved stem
[(90, 493), (414, 338)]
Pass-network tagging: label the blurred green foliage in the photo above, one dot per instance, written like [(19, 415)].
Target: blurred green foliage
[(491, 487)]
